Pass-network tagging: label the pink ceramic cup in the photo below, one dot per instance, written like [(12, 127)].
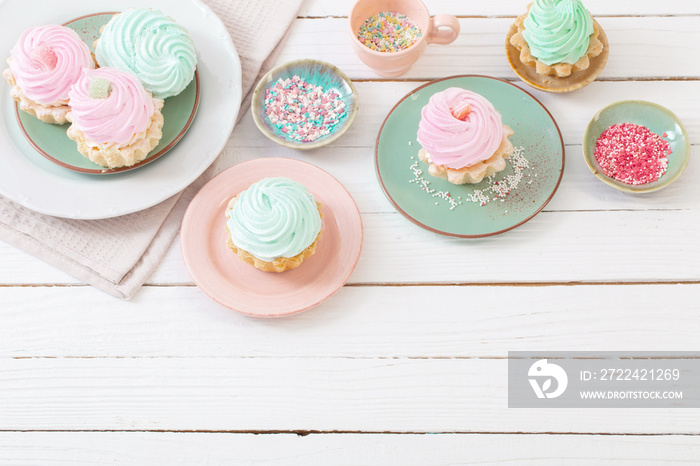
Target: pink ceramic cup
[(440, 29)]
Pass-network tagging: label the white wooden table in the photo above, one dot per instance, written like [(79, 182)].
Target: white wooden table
[(417, 341)]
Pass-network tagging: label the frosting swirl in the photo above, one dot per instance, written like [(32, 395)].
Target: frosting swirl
[(275, 217), (47, 60), (454, 142), (152, 46), (558, 31), (117, 119)]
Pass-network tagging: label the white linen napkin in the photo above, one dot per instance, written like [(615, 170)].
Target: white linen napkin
[(118, 255)]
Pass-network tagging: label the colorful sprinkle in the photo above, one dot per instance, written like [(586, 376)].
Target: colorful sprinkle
[(389, 31), (632, 154), (495, 190), (303, 111)]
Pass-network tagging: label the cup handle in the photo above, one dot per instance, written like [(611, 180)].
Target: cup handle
[(442, 29)]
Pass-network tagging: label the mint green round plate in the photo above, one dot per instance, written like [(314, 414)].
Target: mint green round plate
[(535, 133), (657, 119), (52, 142)]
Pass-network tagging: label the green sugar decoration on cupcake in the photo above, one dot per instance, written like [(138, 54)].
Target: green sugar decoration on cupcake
[(389, 32), (99, 88)]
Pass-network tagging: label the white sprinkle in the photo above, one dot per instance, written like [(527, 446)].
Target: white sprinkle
[(496, 189)]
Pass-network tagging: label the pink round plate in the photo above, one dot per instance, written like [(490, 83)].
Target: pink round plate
[(241, 287)]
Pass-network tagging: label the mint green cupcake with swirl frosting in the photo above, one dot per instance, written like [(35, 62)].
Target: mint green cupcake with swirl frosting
[(558, 37), (147, 43), (274, 225)]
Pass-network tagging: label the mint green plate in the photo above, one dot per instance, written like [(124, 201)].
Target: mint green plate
[(535, 131), (658, 120), (52, 142)]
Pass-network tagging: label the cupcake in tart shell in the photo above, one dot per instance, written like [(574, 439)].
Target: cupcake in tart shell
[(152, 46), (115, 121), (274, 225), (43, 65), (557, 37), (463, 137)]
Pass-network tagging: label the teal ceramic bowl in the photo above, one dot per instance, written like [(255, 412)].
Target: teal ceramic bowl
[(659, 120), (314, 72)]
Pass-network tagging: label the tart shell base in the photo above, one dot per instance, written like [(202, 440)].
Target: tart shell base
[(576, 80), (477, 172), (561, 70), (280, 264), (55, 115), (111, 156)]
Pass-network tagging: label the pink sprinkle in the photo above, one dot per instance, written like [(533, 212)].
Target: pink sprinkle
[(43, 57), (632, 154)]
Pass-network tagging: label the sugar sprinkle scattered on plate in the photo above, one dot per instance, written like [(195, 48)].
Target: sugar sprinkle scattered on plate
[(496, 189)]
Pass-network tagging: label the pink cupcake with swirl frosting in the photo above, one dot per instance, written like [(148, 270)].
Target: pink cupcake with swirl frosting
[(116, 122), (462, 136), (44, 64)]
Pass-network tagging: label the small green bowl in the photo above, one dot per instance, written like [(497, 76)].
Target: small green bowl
[(659, 120), (314, 72)]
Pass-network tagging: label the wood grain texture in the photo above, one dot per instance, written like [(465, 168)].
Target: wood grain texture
[(552, 247), (642, 47), (377, 358), (322, 8), (560, 247), (357, 322), (262, 394), (127, 448)]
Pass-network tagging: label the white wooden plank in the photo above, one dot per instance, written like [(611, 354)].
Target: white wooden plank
[(387, 322), (566, 246), (251, 394), (154, 448), (18, 268), (321, 8), (639, 47), (554, 246)]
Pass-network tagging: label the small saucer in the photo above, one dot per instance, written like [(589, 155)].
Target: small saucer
[(315, 72), (657, 119), (576, 80), (239, 286)]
